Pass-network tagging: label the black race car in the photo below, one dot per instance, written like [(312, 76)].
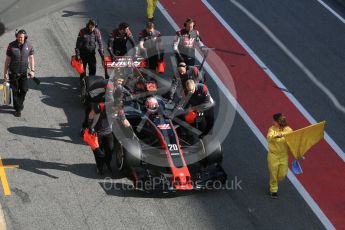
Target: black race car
[(161, 150)]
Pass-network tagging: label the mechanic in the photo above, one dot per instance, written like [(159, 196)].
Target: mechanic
[(185, 43), (150, 43), (118, 93), (277, 157), (151, 7), (19, 57), (198, 99), (110, 92), (101, 124), (183, 74), (117, 42), (86, 47)]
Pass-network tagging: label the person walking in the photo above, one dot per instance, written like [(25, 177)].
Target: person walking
[(186, 40), (19, 58), (150, 43), (151, 7), (85, 49), (277, 157)]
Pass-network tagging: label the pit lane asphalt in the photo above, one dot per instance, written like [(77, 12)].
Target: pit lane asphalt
[(57, 186), (314, 36)]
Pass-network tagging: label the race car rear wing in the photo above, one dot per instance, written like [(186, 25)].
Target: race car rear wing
[(123, 62)]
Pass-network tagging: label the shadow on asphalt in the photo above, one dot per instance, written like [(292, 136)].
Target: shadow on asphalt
[(69, 13), (86, 170), (62, 93)]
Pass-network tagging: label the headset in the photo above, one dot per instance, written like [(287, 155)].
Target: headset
[(189, 20), (91, 22), (21, 31)]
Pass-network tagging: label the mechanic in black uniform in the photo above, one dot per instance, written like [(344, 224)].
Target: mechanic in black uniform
[(117, 42), (185, 42), (19, 57), (110, 92), (183, 74), (150, 43), (101, 116), (86, 47), (198, 99), (100, 122)]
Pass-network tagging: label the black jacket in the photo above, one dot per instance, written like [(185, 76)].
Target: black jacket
[(150, 41), (19, 55), (117, 43), (200, 100), (186, 41), (86, 41), (179, 82)]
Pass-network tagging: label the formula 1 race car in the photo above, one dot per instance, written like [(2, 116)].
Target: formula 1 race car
[(166, 153), (160, 150)]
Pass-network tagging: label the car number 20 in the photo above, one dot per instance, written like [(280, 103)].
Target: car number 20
[(172, 147)]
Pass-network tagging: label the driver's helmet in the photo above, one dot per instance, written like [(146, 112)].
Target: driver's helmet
[(151, 105)]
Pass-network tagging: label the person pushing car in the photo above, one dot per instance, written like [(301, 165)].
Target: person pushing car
[(85, 49)]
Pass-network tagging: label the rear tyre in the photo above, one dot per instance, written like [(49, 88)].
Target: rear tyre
[(120, 158), (127, 155), (213, 151)]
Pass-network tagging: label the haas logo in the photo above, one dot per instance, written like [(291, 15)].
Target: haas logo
[(189, 42), (164, 126)]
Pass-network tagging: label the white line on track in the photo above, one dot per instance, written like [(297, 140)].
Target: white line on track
[(332, 11), (308, 73), (296, 60), (275, 79), (309, 200)]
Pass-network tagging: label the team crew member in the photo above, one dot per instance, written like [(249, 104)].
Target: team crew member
[(151, 7), (19, 57), (198, 99), (150, 43), (100, 123), (86, 47), (185, 42), (96, 89), (277, 157), (110, 91), (183, 74), (117, 42)]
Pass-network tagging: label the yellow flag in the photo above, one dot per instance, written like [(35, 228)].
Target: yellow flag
[(301, 140)]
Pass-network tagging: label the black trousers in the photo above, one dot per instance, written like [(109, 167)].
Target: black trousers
[(87, 110), (89, 59), (19, 84), (106, 143), (152, 62), (207, 121)]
